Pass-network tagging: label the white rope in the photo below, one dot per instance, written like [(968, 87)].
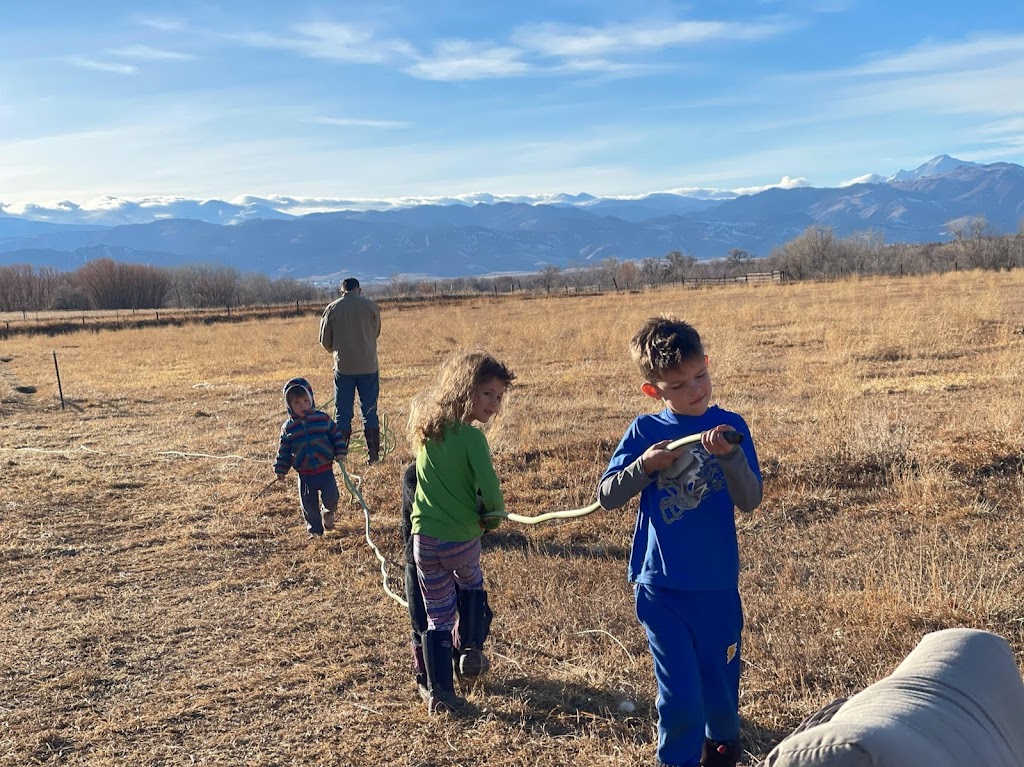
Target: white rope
[(353, 488), (79, 449)]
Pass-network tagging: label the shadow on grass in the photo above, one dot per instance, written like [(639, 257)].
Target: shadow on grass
[(758, 740), (513, 540), (552, 708)]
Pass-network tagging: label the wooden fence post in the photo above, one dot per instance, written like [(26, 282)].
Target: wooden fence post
[(60, 389)]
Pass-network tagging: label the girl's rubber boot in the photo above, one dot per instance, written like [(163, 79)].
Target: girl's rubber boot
[(474, 625), (437, 656)]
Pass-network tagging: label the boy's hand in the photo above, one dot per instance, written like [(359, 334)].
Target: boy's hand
[(714, 441), (656, 457), (280, 477)]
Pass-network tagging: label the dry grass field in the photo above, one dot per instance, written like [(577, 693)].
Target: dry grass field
[(152, 613)]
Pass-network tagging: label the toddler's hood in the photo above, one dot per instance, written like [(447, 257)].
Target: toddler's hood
[(301, 383)]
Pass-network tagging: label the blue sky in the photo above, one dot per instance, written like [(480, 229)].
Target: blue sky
[(421, 99)]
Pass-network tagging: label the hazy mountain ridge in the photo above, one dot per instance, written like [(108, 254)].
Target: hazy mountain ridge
[(454, 239)]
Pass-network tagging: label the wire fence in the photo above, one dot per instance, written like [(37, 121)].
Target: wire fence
[(56, 322)]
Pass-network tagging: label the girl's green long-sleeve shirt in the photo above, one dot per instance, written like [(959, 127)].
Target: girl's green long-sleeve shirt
[(449, 474)]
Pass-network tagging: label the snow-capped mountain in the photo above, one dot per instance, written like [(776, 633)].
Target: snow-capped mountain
[(113, 211), (934, 167), (453, 236)]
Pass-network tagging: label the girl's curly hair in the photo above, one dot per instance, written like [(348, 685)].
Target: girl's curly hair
[(451, 399)]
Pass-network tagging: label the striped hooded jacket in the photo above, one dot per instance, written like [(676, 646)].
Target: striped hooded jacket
[(309, 443)]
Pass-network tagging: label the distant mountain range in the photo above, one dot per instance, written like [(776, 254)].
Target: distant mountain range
[(484, 234)]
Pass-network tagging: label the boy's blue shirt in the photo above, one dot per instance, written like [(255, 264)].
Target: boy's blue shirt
[(685, 535)]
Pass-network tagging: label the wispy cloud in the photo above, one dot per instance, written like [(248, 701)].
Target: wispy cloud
[(549, 49), (999, 127), (785, 183), (993, 91), (463, 60), (943, 57), (352, 122), (147, 53), (331, 41), (981, 76), (102, 66), (161, 23), (590, 42)]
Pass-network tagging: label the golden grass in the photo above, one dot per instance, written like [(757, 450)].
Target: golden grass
[(153, 614)]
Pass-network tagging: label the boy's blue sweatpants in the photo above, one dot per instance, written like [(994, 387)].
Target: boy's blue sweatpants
[(694, 638), (314, 489)]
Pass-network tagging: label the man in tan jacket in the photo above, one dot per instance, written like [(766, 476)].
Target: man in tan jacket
[(349, 328)]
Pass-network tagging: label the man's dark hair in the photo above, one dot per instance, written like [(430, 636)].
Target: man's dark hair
[(662, 344), (349, 284)]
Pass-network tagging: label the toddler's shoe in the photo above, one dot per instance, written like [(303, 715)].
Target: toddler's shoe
[(328, 518)]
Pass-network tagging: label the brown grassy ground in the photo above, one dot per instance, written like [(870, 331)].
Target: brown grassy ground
[(153, 614)]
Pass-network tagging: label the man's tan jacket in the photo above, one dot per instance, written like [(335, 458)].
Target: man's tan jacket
[(350, 327)]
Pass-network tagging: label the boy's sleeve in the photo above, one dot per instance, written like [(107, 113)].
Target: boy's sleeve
[(284, 453), (742, 472), (616, 489), (624, 477)]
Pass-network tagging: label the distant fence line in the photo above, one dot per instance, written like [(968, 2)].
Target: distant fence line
[(776, 275), (58, 322)]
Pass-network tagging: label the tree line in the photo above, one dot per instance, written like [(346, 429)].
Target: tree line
[(816, 253), (108, 284)]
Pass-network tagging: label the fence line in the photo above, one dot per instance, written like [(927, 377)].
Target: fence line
[(57, 322)]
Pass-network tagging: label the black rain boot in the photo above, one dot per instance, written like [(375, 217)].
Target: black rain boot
[(419, 666), (372, 444), (346, 434), (418, 619), (719, 753), (437, 653), (474, 625)]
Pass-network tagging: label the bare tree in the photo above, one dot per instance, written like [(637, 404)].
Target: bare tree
[(654, 271), (738, 261), (628, 275), (216, 286), (578, 274), (608, 271), (549, 276), (679, 264), (399, 285), (108, 284)]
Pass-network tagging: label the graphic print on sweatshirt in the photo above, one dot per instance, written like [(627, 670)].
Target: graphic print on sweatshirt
[(683, 485)]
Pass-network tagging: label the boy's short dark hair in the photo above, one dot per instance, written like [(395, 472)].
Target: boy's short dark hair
[(349, 284), (295, 391), (662, 344)]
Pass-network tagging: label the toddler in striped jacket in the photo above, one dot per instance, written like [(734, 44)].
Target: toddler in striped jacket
[(310, 443)]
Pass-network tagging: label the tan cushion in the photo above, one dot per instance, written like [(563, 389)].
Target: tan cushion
[(957, 700)]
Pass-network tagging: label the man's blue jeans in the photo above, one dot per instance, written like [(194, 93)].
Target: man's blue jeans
[(345, 388)]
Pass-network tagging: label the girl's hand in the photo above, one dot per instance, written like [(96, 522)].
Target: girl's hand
[(715, 442), (280, 477)]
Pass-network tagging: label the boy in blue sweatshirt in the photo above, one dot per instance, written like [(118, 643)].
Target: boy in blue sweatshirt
[(310, 443), (684, 562)]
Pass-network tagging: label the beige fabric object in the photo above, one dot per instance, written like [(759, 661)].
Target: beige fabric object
[(349, 328), (957, 700)]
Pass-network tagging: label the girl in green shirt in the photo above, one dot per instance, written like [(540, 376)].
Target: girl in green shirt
[(455, 485)]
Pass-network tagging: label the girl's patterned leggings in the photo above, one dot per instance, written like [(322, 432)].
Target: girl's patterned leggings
[(440, 567)]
